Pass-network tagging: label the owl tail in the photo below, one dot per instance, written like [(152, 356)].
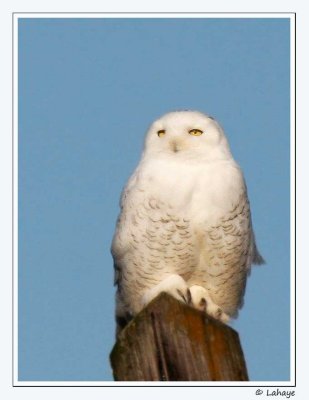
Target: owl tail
[(257, 259)]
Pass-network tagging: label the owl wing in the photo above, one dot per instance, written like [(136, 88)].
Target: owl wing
[(231, 250), (120, 243)]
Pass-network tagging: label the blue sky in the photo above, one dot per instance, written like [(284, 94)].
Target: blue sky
[(88, 90)]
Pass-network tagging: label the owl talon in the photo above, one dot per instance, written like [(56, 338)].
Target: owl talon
[(173, 285), (189, 297), (182, 296), (203, 302)]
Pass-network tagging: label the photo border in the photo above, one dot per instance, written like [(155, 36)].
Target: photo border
[(75, 15)]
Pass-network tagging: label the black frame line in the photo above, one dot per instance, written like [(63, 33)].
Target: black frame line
[(13, 193)]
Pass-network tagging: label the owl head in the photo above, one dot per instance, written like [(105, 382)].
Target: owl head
[(186, 134)]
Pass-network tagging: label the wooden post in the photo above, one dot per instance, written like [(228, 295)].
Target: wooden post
[(170, 341)]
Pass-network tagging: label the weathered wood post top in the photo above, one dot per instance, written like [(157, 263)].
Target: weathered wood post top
[(170, 341)]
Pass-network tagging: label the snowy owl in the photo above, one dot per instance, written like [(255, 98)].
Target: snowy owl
[(185, 225)]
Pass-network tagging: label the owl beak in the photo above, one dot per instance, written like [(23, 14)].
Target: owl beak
[(175, 146)]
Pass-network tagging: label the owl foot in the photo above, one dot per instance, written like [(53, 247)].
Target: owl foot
[(201, 300), (173, 285)]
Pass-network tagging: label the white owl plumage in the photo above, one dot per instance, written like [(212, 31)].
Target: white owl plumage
[(185, 225)]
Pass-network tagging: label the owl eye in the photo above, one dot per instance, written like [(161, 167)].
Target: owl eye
[(161, 132), (195, 132)]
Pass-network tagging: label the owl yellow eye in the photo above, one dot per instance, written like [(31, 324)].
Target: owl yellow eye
[(195, 132), (161, 132)]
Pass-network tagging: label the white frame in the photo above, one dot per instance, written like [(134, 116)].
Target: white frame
[(259, 384)]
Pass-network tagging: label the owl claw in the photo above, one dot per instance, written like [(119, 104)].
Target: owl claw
[(203, 302), (182, 296), (173, 285), (189, 297)]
